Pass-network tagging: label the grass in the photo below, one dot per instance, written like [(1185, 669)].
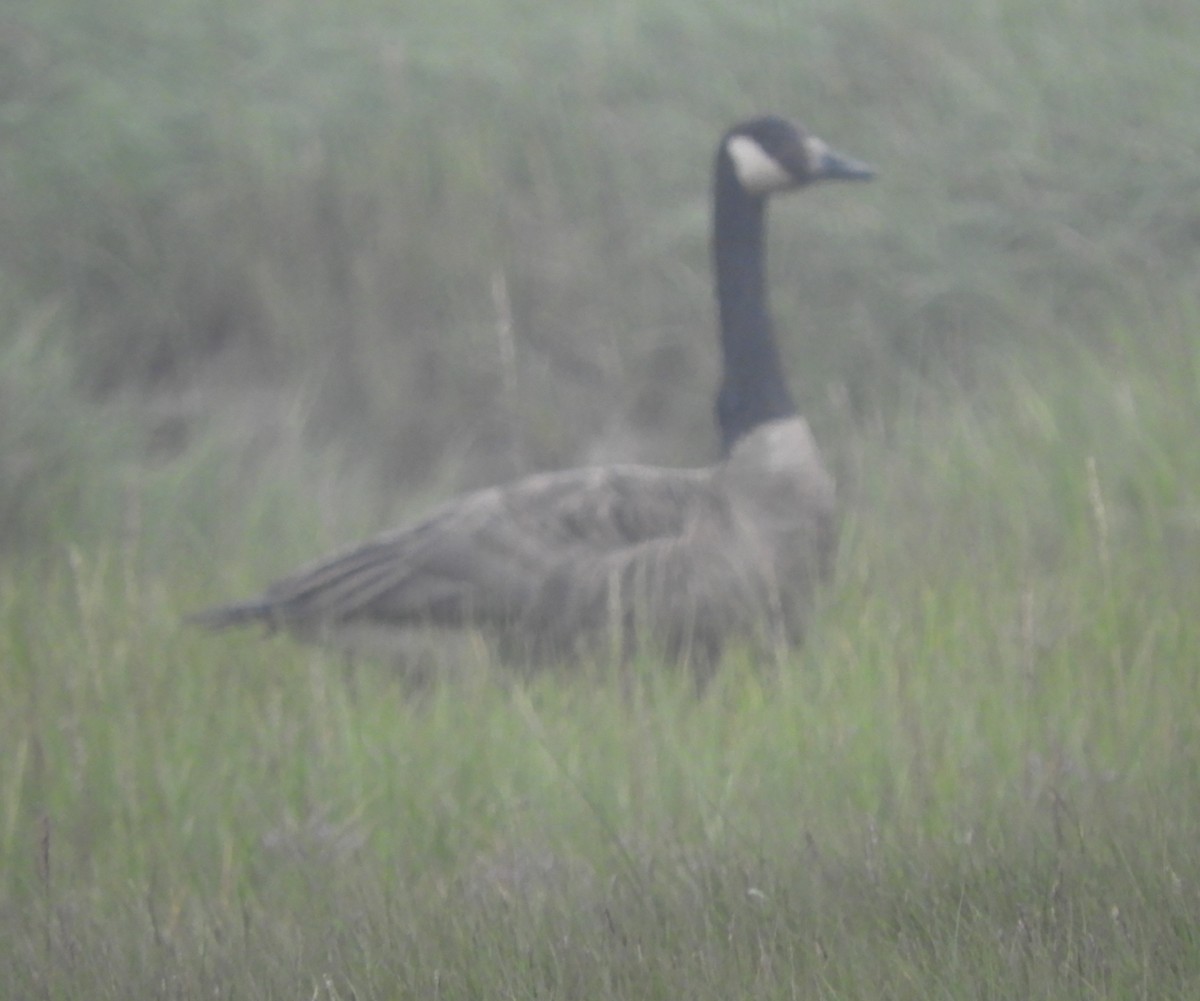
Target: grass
[(974, 780), (273, 277)]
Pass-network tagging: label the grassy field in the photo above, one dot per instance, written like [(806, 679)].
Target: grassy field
[(273, 276)]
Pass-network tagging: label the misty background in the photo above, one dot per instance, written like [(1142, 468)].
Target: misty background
[(276, 274), (381, 255)]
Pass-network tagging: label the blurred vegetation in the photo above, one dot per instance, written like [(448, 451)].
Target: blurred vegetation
[(479, 245), (273, 275)]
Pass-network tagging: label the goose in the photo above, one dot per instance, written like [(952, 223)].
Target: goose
[(613, 558)]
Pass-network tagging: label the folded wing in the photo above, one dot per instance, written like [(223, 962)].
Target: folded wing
[(497, 557)]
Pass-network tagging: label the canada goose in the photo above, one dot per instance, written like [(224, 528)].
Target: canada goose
[(607, 557)]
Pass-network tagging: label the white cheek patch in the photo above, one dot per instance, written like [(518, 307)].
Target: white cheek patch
[(757, 171)]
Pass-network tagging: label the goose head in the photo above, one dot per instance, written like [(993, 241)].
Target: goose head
[(772, 154), (755, 160)]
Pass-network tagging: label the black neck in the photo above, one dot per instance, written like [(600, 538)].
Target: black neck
[(752, 387)]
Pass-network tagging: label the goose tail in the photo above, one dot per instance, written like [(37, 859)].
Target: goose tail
[(220, 617)]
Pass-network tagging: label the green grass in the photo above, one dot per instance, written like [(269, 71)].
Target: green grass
[(978, 779), (274, 276)]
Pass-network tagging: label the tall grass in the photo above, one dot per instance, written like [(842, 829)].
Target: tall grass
[(427, 223), (261, 262), (977, 778)]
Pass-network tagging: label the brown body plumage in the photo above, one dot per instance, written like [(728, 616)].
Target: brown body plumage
[(602, 559)]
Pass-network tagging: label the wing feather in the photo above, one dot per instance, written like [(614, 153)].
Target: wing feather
[(487, 557)]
